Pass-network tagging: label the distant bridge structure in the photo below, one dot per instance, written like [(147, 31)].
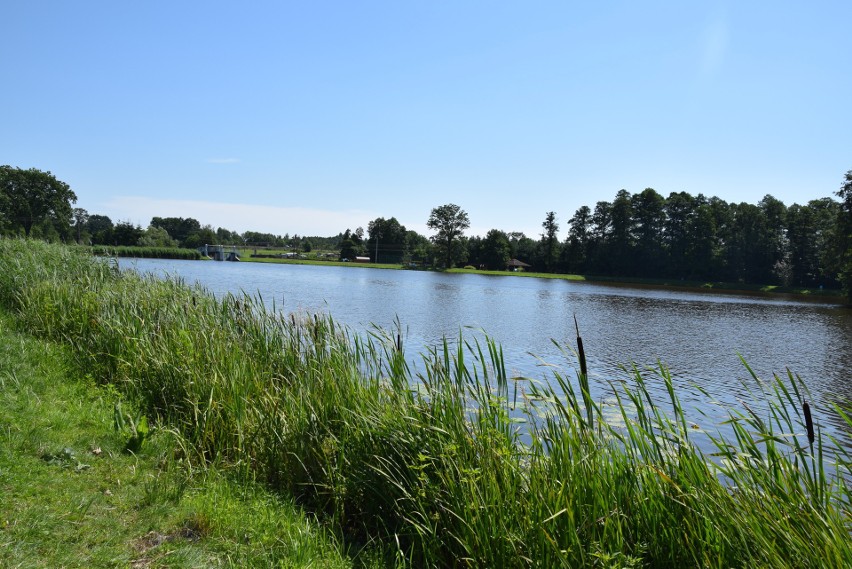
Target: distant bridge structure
[(219, 253)]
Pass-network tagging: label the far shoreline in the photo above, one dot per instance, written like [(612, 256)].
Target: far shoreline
[(834, 296)]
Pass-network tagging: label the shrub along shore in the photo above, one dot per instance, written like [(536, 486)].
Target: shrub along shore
[(453, 465)]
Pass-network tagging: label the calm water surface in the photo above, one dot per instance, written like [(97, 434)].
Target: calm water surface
[(698, 336)]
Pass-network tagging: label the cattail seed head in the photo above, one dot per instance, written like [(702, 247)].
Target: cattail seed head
[(809, 422)]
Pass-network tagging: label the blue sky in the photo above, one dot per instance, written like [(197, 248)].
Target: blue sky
[(314, 117)]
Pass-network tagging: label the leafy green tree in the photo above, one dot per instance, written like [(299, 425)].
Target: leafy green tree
[(526, 250), (228, 237), (775, 240), (523, 248), (48, 230), (678, 210), (203, 236), (496, 250), (32, 197), (723, 222), (126, 234), (351, 245), (156, 237), (325, 243), (387, 240), (81, 220), (474, 250), (701, 260), (804, 260), (549, 242), (843, 236), (749, 250), (418, 248), (97, 223), (450, 222), (601, 229), (100, 228), (575, 250), (180, 228), (622, 233), (648, 221), (825, 211), (264, 239)]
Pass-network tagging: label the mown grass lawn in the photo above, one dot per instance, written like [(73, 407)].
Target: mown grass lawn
[(71, 496)]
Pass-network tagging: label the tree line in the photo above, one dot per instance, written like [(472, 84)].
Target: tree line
[(642, 234), (681, 236), (35, 204), (685, 237)]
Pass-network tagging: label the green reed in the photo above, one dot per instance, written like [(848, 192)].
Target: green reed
[(147, 252), (451, 462)]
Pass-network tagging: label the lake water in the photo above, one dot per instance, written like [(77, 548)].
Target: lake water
[(698, 336)]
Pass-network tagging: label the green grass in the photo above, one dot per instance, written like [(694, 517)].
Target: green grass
[(72, 498), (321, 262), (715, 286), (458, 464), (147, 252), (719, 286), (558, 276)]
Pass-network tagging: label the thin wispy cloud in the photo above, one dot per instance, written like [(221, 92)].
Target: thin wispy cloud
[(239, 217)]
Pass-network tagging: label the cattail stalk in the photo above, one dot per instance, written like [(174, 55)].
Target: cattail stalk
[(584, 377), (809, 423)]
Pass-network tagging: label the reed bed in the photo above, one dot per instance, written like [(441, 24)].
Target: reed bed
[(455, 464), (147, 252)]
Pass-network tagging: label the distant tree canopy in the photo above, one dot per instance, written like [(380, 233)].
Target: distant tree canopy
[(29, 198), (351, 245), (841, 252), (156, 237), (645, 234), (227, 237), (124, 233), (693, 237), (386, 241), (204, 235), (80, 221), (418, 247), (494, 250), (450, 222), (98, 223), (177, 227), (549, 242)]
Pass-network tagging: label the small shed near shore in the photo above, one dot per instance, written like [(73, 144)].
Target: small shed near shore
[(514, 265), (362, 259)]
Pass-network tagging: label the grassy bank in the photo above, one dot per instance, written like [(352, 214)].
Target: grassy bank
[(719, 286), (442, 474), (701, 286), (530, 274), (73, 497), (320, 262)]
